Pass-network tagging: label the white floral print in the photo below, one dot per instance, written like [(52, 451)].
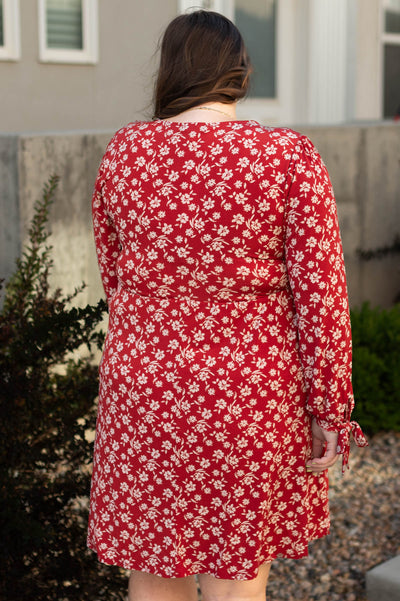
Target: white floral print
[(220, 255)]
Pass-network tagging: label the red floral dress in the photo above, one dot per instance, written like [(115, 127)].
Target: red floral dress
[(221, 259)]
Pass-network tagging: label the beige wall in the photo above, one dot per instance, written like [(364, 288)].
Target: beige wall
[(46, 97), (41, 97)]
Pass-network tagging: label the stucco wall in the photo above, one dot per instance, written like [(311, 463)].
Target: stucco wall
[(37, 96), (363, 163)]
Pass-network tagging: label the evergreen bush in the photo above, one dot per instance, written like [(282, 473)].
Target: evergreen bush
[(47, 398), (376, 367)]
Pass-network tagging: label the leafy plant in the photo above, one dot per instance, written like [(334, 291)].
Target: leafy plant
[(47, 397), (376, 367)]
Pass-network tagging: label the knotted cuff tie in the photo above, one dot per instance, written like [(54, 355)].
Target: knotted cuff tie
[(343, 444)]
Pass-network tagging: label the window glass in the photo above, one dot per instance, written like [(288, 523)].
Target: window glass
[(1, 24), (392, 16), (64, 24), (391, 85), (256, 19)]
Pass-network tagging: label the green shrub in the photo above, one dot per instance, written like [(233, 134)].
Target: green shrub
[(376, 367), (47, 399)]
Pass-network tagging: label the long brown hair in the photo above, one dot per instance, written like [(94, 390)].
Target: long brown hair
[(203, 59)]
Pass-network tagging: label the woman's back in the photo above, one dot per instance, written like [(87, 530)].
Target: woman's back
[(225, 381), (219, 296), (199, 207)]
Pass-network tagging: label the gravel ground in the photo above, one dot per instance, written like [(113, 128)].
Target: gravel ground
[(365, 530)]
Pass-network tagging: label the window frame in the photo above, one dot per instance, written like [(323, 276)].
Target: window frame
[(392, 39), (266, 110), (11, 50), (220, 6), (89, 55)]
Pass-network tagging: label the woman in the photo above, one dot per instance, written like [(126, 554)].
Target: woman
[(225, 382)]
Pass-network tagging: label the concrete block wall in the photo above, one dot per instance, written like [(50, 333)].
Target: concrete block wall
[(364, 165), (32, 159), (363, 161)]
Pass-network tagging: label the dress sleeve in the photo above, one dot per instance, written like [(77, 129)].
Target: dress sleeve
[(315, 265), (105, 234)]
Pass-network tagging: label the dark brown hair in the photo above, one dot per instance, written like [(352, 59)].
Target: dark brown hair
[(203, 59)]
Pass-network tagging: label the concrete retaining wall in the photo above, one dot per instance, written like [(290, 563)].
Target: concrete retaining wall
[(363, 161), (364, 165)]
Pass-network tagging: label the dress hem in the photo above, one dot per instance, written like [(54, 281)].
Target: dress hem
[(217, 573)]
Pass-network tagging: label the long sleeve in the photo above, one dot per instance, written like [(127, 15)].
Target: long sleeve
[(106, 238), (314, 260)]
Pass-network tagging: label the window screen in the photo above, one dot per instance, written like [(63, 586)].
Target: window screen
[(64, 24)]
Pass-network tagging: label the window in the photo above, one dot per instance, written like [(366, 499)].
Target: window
[(68, 31), (265, 26), (1, 24), (392, 16), (257, 23), (9, 30), (391, 58)]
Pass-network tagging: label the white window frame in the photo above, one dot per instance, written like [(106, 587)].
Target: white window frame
[(89, 55), (11, 51), (386, 38), (276, 110)]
